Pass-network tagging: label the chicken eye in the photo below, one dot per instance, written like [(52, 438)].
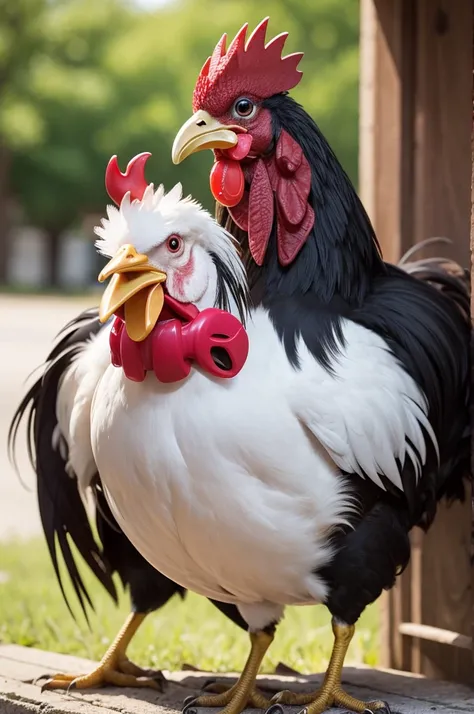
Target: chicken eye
[(244, 108), (174, 243)]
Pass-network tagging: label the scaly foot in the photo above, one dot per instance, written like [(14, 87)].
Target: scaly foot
[(331, 693), (322, 700), (114, 668), (121, 673), (244, 692), (234, 700)]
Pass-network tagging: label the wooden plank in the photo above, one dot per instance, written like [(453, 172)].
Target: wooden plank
[(405, 693), (416, 586), (443, 107), (435, 634), (385, 185), (472, 351), (446, 595), (386, 126), (442, 179)]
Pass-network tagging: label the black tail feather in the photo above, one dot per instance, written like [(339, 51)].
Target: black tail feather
[(63, 515), (452, 281)]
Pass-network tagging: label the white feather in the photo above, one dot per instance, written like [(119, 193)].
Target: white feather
[(217, 483), (364, 413), (73, 405), (220, 485)]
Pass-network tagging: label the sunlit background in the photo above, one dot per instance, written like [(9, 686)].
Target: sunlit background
[(81, 80)]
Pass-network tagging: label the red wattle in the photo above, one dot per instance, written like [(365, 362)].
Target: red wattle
[(227, 182)]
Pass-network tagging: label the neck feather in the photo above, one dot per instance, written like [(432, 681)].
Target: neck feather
[(341, 255)]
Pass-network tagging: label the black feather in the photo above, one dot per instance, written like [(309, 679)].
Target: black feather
[(428, 330), (63, 516), (367, 560), (228, 289), (318, 323)]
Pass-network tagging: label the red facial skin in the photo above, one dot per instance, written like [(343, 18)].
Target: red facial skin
[(259, 127), (229, 174)]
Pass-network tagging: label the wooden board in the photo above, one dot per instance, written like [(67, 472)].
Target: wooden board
[(19, 694), (472, 356), (386, 126), (443, 117), (415, 178)]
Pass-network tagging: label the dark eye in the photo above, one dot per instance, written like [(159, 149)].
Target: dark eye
[(244, 108), (174, 243)]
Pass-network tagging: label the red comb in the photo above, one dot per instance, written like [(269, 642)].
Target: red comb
[(133, 180), (251, 67)]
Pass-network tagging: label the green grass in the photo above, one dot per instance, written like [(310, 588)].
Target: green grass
[(32, 613)]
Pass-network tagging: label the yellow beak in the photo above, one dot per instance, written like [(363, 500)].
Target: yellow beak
[(201, 132), (137, 285)]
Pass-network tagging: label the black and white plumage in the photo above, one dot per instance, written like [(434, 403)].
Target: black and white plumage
[(298, 481), (379, 354), (356, 411)]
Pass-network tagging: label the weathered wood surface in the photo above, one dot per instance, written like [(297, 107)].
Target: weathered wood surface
[(386, 121), (20, 667), (415, 121)]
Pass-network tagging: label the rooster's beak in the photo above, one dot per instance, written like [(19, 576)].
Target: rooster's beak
[(200, 132), (135, 284)]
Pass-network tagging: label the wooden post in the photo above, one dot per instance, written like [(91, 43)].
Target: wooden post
[(386, 188), (386, 125), (415, 169), (442, 171), (472, 353)]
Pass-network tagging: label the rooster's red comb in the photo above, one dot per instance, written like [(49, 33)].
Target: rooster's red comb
[(133, 180), (253, 68)]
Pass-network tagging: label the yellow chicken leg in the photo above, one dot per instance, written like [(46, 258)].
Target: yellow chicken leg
[(114, 668), (244, 692), (331, 693)]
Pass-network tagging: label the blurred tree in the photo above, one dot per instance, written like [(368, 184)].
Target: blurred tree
[(60, 175), (102, 78), (20, 124)]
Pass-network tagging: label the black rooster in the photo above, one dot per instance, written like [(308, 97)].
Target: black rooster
[(314, 264)]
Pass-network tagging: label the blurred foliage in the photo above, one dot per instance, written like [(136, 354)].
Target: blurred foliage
[(81, 80)]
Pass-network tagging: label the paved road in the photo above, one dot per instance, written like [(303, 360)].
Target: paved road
[(28, 324)]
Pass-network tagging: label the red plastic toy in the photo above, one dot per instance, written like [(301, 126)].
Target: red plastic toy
[(213, 339)]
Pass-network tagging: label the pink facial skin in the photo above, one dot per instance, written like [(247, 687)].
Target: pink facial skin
[(181, 276)]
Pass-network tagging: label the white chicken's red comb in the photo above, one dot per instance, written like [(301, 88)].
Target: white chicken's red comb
[(133, 180)]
